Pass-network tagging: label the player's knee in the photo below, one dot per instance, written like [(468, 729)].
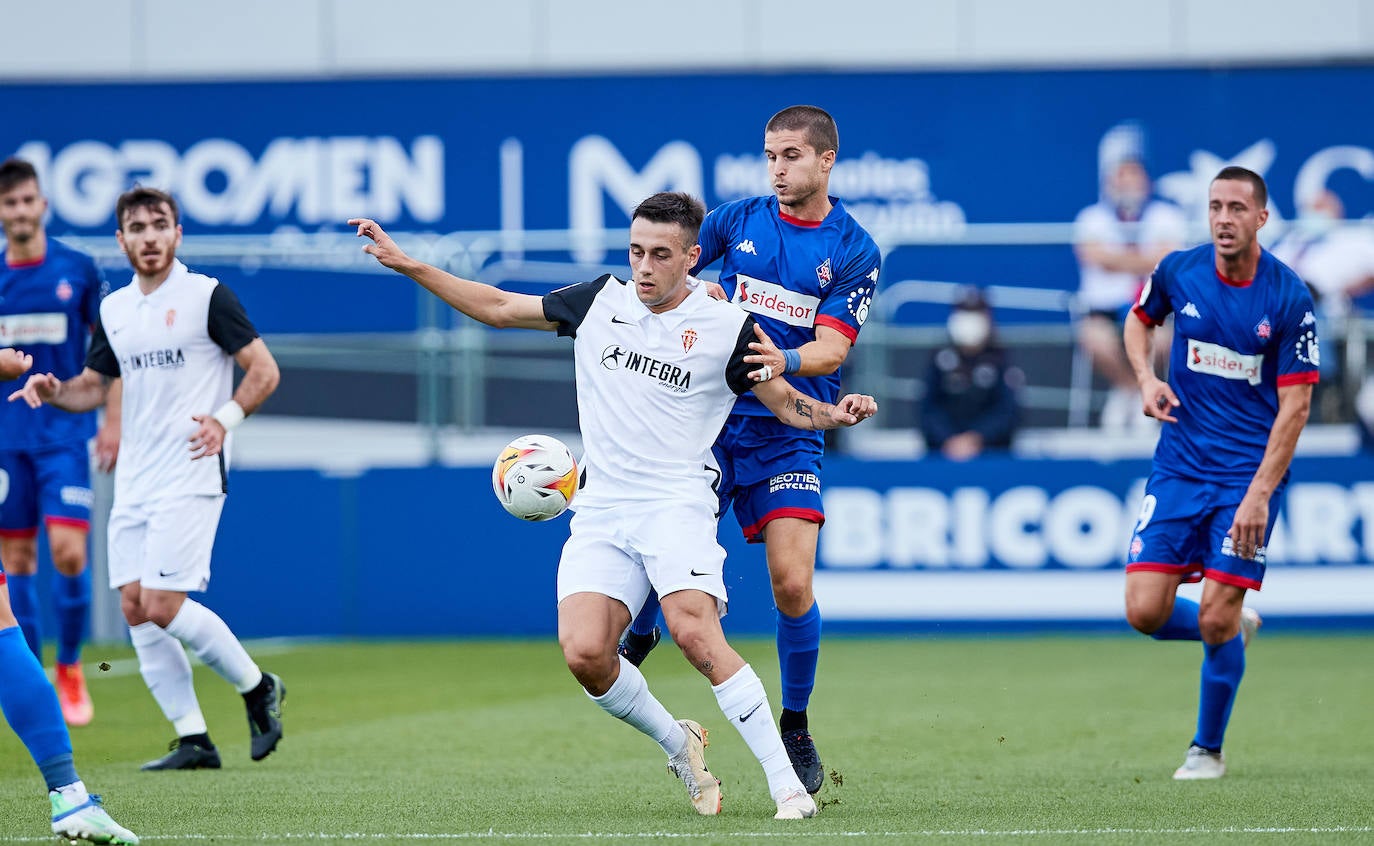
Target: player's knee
[(792, 593), (20, 559), (1145, 618), (589, 664), (132, 609), (69, 557), (1218, 623)]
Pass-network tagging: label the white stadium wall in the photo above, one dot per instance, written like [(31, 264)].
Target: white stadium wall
[(172, 39)]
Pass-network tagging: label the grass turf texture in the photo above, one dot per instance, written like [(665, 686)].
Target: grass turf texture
[(1037, 740)]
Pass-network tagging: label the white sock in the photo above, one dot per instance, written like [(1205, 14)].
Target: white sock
[(630, 701), (209, 637), (167, 672), (745, 704)]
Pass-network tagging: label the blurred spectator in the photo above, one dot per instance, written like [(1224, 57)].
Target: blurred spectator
[(1118, 241), (1337, 263), (971, 402)]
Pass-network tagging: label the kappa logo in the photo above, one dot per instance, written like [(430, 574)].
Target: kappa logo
[(1190, 310), (1264, 329), (823, 273), (689, 337), (747, 246)]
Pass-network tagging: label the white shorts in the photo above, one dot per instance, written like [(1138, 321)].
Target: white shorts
[(164, 544), (622, 552)]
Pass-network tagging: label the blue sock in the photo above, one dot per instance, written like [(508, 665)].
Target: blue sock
[(644, 622), (799, 645), (1222, 667), (30, 705), (72, 598), (1182, 624), (24, 603)]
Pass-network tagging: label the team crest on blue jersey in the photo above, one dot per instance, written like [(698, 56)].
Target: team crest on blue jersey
[(823, 273), (64, 290), (1263, 329)]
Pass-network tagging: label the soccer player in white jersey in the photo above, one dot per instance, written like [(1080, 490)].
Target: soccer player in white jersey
[(172, 337), (659, 365)]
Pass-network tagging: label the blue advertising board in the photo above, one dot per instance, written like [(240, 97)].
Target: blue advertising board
[(907, 546), (922, 154)]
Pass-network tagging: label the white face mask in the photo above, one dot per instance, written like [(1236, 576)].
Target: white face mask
[(970, 329)]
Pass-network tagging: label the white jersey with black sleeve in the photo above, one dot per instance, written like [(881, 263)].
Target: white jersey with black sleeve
[(174, 350), (653, 390)]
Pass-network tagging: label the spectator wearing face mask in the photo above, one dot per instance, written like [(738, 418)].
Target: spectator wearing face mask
[(1118, 241), (971, 403)]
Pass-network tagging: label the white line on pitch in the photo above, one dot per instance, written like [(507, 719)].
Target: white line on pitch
[(789, 835)]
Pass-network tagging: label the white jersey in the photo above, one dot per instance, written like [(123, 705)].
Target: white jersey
[(653, 390), (1105, 290), (173, 348)]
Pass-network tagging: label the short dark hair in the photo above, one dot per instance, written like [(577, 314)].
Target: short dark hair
[(812, 121), (15, 171), (674, 207), (1241, 174), (139, 197)]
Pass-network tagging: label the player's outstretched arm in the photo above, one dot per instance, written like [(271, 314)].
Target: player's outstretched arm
[(804, 412), (482, 302), (82, 392), (14, 364)]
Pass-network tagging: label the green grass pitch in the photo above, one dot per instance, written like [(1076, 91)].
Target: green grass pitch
[(928, 740)]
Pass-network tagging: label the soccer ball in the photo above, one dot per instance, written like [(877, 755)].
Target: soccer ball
[(535, 477)]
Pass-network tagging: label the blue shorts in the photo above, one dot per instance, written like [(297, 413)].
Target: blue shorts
[(768, 470), (1182, 529), (54, 482)]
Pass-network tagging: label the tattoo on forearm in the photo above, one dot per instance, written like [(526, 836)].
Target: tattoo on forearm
[(802, 408), (706, 666)]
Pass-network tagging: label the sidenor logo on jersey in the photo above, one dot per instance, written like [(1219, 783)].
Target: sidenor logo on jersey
[(771, 300), (1216, 360), (667, 374)]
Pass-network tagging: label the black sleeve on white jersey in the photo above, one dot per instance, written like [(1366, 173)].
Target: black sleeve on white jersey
[(228, 323), (100, 357), (737, 370), (568, 306)]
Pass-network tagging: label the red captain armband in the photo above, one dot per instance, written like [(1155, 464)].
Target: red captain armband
[(1305, 377), (1145, 318)]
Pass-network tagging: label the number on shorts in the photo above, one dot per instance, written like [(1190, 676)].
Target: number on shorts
[(1147, 510)]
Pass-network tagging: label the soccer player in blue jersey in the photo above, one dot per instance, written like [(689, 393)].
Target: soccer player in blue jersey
[(1241, 369), (49, 299), (807, 271), (32, 710)]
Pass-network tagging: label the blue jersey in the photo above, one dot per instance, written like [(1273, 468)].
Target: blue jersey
[(793, 275), (1235, 344), (47, 309)]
